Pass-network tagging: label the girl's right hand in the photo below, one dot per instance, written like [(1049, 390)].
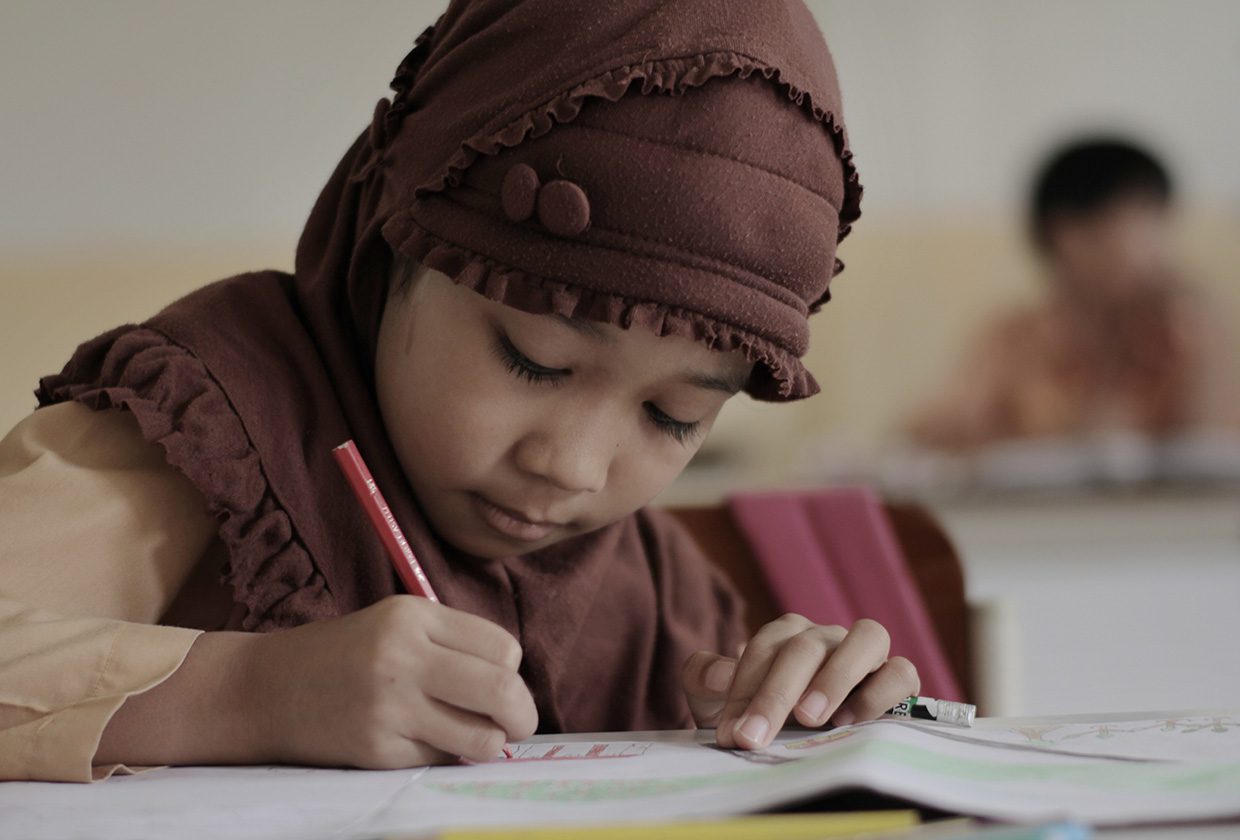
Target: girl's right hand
[(402, 683)]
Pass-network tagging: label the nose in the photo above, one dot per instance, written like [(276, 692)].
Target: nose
[(572, 450)]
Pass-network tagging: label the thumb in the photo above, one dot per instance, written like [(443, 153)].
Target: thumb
[(706, 678)]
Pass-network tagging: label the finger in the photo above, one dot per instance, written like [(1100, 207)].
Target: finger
[(706, 677), (863, 651), (752, 669), (484, 688), (798, 661), (461, 631), (456, 732), (893, 682)]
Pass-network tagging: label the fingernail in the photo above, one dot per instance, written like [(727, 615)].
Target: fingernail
[(843, 717), (814, 706), (754, 728), (719, 676)]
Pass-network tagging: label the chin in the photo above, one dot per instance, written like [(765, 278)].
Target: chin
[(494, 548)]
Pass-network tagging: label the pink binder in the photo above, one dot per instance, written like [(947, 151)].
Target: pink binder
[(831, 555)]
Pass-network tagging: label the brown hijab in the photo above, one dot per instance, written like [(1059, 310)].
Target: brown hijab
[(518, 157)]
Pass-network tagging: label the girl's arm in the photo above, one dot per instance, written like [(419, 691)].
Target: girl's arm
[(103, 536), (99, 534)]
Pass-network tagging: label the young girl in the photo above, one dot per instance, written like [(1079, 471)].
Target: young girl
[(575, 231)]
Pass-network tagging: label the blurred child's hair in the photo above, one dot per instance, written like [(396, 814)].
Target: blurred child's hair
[(1084, 176)]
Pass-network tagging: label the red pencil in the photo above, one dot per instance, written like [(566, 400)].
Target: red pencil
[(380, 515)]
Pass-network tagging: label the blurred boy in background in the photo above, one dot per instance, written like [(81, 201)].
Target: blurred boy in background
[(1120, 343)]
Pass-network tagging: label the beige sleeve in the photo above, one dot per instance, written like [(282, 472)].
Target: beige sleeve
[(99, 533)]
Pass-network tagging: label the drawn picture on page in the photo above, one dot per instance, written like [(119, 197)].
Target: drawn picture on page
[(573, 751), (1185, 738), (1062, 734)]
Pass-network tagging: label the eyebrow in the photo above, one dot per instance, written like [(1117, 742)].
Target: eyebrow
[(709, 381), (586, 328), (713, 382)]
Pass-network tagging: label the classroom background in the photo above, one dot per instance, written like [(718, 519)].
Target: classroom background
[(151, 147)]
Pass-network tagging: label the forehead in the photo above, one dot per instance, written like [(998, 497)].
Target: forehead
[(1132, 204)]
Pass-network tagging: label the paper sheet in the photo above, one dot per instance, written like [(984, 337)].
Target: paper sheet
[(1166, 773), (207, 803), (923, 762)]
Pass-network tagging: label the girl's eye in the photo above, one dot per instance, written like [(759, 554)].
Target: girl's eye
[(523, 367), (678, 430)]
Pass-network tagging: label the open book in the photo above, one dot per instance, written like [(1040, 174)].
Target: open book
[(1102, 770)]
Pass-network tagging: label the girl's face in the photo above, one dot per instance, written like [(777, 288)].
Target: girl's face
[(517, 431)]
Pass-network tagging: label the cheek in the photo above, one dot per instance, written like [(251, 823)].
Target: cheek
[(438, 435), (643, 470), (649, 462), (1077, 248), (442, 416)]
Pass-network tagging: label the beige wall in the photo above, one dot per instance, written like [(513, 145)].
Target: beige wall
[(55, 299), (901, 314)]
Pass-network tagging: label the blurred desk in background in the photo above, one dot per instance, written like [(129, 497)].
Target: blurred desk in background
[(1122, 602)]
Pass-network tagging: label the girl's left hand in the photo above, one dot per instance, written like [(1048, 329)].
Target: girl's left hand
[(793, 666)]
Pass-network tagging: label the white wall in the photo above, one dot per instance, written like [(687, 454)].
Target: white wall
[(179, 121), (949, 102), (140, 121)]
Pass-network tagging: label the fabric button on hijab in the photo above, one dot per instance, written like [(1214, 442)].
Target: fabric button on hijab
[(519, 192), (563, 208)]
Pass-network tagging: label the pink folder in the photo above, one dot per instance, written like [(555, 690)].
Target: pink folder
[(831, 555)]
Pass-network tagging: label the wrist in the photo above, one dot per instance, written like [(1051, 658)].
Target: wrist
[(225, 689), (248, 695), (205, 712)]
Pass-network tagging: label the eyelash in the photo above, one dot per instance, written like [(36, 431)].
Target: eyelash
[(678, 430), (522, 367)]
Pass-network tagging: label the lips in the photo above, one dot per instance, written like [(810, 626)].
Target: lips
[(511, 523)]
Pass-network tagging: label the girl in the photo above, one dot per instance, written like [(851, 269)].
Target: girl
[(526, 292)]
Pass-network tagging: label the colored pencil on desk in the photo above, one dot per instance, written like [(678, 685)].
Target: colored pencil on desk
[(759, 827)]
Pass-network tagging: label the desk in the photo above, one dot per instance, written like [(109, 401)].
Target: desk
[(1104, 586), (1230, 831)]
